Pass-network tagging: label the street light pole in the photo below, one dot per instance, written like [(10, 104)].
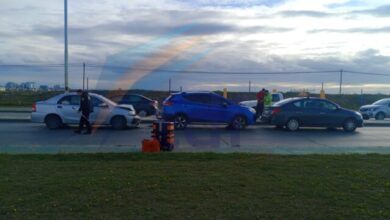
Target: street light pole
[(66, 44), (83, 76), (341, 81)]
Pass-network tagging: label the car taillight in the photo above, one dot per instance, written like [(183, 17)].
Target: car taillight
[(34, 107), (168, 103), (276, 111)]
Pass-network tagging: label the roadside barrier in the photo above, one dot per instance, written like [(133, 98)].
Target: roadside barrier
[(164, 133), (149, 146)]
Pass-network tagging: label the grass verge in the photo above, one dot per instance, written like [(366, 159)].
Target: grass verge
[(194, 186)]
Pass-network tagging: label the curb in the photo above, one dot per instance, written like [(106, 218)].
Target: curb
[(24, 120)]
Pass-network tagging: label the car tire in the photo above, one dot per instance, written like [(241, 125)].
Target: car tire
[(239, 122), (143, 113), (53, 122), (118, 122), (181, 121), (380, 116), (292, 124), (349, 125)]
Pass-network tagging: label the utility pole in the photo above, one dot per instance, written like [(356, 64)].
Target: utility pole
[(341, 81), (250, 86), (66, 44), (83, 76), (170, 84), (87, 84)]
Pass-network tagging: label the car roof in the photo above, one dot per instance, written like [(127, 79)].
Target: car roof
[(200, 92)]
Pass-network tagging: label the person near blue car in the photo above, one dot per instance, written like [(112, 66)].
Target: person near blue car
[(205, 107)]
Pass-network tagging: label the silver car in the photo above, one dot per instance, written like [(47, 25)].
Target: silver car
[(378, 110), (63, 109)]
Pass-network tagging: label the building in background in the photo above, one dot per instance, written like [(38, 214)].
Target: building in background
[(2, 89), (28, 86), (44, 88), (57, 88), (11, 86)]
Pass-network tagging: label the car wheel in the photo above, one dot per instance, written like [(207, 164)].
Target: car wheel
[(53, 122), (239, 122), (118, 122), (292, 124), (349, 125), (181, 121), (380, 116), (143, 113)]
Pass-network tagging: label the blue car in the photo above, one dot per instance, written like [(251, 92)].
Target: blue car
[(188, 107), (294, 113)]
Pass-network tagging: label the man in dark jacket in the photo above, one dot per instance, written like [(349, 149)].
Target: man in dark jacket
[(85, 109), (260, 103)]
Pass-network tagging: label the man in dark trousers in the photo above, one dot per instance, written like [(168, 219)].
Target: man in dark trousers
[(260, 103), (85, 109)]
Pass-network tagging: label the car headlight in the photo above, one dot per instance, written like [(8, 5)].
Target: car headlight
[(252, 110)]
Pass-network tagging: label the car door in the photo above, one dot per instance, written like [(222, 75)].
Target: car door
[(219, 110), (308, 113), (328, 114), (101, 111), (197, 108), (68, 107), (387, 107)]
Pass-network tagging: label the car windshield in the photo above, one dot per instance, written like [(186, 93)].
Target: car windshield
[(381, 102)]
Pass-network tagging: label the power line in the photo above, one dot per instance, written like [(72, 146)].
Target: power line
[(367, 73), (189, 71)]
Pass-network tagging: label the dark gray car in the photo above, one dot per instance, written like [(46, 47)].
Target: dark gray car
[(294, 113)]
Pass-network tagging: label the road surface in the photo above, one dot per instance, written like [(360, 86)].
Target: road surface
[(17, 137)]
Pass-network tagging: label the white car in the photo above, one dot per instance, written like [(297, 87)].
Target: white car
[(63, 109), (378, 110), (276, 97)]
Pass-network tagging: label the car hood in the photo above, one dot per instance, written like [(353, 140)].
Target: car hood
[(250, 109), (350, 111), (370, 106), (248, 102), (126, 107)]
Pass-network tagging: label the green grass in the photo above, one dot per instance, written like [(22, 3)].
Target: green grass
[(194, 186)]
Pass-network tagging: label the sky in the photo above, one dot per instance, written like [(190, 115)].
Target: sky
[(142, 44)]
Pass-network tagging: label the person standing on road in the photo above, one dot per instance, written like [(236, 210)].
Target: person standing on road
[(267, 98), (260, 103), (85, 109)]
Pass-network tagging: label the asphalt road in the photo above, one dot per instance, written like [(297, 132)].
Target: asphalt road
[(36, 138)]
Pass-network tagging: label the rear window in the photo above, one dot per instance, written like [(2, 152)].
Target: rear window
[(275, 97), (133, 98)]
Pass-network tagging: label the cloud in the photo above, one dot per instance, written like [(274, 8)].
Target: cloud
[(382, 11), (385, 30), (305, 13)]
